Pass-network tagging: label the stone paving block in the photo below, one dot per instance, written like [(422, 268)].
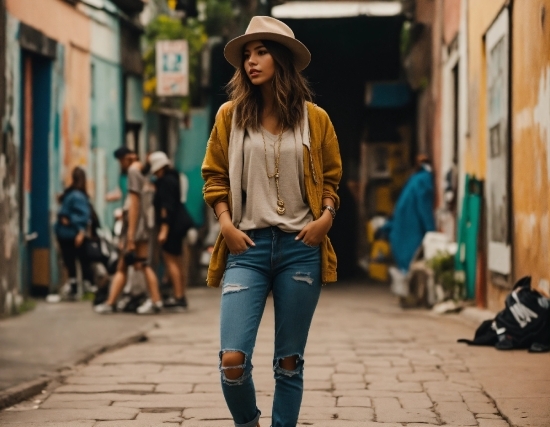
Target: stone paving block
[(318, 373), (87, 404), (344, 423), (389, 410), (493, 423), (161, 417), (75, 423), (348, 378), (206, 388), (455, 413), (414, 400), (66, 415), (395, 386), (190, 400), (489, 416), (445, 395), (356, 414), (216, 413), (130, 379), (318, 399), (164, 377), (122, 369), (105, 388), (317, 385), (354, 401), (482, 408), (134, 423), (422, 376), (315, 414), (177, 388), (198, 423), (350, 386), (523, 412), (350, 368)]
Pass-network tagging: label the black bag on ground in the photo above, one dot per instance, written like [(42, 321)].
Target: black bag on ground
[(524, 322)]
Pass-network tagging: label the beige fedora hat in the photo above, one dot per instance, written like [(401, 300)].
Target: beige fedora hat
[(267, 28)]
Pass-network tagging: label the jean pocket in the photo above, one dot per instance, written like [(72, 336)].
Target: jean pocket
[(241, 253), (308, 246)]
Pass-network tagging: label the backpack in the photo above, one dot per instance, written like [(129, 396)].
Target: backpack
[(524, 322)]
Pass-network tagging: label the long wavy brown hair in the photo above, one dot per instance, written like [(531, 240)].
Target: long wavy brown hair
[(291, 90)]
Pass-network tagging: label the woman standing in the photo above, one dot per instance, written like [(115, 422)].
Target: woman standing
[(73, 220), (271, 172), (170, 215)]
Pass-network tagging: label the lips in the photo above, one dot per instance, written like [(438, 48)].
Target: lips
[(253, 72)]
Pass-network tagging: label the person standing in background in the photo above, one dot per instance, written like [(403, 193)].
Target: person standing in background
[(173, 223), (73, 220), (135, 239)]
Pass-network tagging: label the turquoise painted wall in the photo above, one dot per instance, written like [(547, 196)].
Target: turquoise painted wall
[(107, 133), (189, 157)]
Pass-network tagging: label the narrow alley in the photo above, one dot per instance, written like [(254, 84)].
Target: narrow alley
[(368, 363)]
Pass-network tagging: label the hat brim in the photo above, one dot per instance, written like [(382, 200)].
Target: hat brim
[(233, 51), (159, 166)]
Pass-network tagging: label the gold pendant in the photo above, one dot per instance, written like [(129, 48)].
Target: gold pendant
[(281, 207)]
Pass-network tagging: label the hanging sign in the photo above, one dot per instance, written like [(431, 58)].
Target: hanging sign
[(172, 63)]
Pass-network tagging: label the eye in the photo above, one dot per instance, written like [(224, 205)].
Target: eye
[(262, 52)]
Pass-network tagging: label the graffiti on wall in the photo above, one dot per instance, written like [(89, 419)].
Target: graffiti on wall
[(9, 196)]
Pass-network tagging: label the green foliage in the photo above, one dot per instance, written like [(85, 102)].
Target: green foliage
[(165, 27), (452, 282), (219, 17), (26, 305)]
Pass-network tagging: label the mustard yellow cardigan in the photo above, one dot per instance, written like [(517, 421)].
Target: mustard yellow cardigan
[(322, 174)]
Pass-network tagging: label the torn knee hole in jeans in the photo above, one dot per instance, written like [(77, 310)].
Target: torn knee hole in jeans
[(229, 288), (279, 371), (303, 277), (242, 367)]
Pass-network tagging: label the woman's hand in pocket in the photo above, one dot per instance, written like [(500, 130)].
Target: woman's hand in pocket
[(237, 241), (314, 232)]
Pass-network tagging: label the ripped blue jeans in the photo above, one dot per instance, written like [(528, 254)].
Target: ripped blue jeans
[(291, 270)]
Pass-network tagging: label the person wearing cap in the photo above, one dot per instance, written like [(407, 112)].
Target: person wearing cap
[(173, 224), (125, 157), (272, 168), (137, 229)]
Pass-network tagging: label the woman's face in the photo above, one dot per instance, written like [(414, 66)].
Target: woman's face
[(258, 63)]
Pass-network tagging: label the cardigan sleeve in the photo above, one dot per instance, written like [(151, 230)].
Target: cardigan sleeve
[(215, 166), (332, 164)]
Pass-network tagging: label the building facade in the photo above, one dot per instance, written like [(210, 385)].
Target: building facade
[(70, 98), (483, 113)]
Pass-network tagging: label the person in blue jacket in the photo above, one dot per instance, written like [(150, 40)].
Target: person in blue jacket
[(413, 215), (72, 223)]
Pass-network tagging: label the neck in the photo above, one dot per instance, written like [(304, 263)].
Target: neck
[(268, 98)]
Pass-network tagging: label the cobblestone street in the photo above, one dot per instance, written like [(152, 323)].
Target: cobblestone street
[(368, 363)]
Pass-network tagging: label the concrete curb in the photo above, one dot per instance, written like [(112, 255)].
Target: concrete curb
[(13, 395)]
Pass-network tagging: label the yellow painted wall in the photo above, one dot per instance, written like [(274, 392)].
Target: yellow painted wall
[(69, 26), (481, 15), (531, 138)]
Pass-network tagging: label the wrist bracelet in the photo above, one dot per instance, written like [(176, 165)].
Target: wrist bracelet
[(220, 214), (331, 210)]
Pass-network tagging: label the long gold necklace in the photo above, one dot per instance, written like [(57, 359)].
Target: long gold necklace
[(277, 157)]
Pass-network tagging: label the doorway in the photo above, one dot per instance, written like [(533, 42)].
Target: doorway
[(35, 179)]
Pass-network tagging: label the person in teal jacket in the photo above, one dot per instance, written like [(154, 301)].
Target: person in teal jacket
[(73, 220), (413, 215)]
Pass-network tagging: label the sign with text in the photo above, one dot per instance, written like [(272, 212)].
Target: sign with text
[(172, 62)]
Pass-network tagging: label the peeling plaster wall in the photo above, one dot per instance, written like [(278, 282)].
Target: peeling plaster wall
[(69, 128), (9, 175), (531, 139), (481, 14)]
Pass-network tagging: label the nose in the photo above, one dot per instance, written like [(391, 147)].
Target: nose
[(251, 59)]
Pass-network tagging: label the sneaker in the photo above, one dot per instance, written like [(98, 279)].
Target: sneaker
[(104, 308), (150, 307), (174, 304)]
